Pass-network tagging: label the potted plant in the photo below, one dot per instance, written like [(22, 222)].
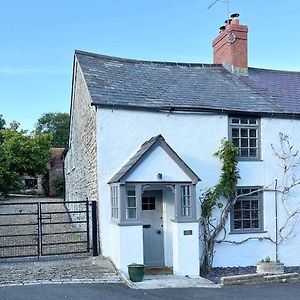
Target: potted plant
[(136, 272), (267, 266)]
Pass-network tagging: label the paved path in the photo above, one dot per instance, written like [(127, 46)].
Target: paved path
[(58, 270)]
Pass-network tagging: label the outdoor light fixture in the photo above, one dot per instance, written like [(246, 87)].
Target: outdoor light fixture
[(159, 176)]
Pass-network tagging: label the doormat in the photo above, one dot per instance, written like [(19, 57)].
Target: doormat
[(158, 271)]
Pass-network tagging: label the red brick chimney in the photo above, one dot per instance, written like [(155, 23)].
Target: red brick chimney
[(231, 46)]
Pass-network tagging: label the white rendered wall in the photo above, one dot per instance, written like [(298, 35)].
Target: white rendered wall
[(263, 173), (120, 134), (186, 249), (126, 246), (158, 161), (195, 137)]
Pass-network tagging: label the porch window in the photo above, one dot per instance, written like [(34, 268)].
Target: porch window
[(131, 208), (115, 202), (186, 207)]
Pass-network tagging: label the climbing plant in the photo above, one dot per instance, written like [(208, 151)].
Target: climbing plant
[(212, 199), (218, 201)]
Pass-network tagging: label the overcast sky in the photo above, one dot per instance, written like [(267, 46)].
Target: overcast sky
[(38, 39)]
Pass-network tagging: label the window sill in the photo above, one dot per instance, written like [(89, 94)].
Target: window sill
[(248, 232), (240, 159), (181, 220), (129, 223)]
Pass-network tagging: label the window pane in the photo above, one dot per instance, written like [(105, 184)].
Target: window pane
[(235, 121), (244, 132), (245, 191), (237, 225), (236, 142), (246, 214), (254, 204), (131, 202), (255, 223), (235, 132), (130, 192), (244, 152), (244, 121), (185, 211), (253, 143), (252, 121), (252, 133), (254, 214), (246, 204), (253, 152), (246, 224), (131, 213), (237, 214), (238, 204), (152, 206), (244, 142)]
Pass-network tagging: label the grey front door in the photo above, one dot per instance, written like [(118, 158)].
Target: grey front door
[(153, 229)]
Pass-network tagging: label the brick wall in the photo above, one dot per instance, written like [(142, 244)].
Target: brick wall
[(231, 47), (81, 159)]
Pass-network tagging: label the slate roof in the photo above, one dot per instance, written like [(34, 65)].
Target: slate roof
[(122, 82), (146, 148)]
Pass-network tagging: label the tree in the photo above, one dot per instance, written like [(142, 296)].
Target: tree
[(21, 154), (217, 202), (2, 125), (57, 124)]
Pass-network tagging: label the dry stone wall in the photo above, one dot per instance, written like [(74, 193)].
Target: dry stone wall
[(81, 158)]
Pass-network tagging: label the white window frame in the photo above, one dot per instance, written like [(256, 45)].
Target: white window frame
[(127, 200), (115, 200)]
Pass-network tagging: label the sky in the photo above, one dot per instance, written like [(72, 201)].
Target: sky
[(38, 39)]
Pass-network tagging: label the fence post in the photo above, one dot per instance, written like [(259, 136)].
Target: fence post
[(95, 228)]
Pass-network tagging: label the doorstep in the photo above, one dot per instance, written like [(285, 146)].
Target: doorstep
[(171, 281)]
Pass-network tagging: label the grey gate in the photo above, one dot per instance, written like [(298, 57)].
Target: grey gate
[(46, 228)]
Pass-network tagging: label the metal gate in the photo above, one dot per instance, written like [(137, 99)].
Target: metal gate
[(47, 228)]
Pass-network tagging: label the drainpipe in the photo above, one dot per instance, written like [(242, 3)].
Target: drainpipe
[(276, 221)]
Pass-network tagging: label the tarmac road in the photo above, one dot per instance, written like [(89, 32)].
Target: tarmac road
[(120, 291)]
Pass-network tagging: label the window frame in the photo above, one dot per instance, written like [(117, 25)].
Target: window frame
[(33, 183), (127, 207), (260, 209), (185, 201), (256, 126), (115, 202)]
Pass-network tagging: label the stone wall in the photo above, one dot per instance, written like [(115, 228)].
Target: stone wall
[(81, 158)]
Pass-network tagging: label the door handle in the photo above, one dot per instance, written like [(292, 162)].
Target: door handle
[(158, 231)]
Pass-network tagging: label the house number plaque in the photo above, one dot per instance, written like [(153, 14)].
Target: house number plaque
[(187, 232)]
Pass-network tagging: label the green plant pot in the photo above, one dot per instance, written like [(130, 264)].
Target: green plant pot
[(136, 272)]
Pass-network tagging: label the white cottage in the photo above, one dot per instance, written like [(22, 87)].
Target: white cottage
[(142, 139)]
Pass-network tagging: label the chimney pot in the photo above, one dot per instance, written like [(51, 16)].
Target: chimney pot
[(222, 28), (235, 15)]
